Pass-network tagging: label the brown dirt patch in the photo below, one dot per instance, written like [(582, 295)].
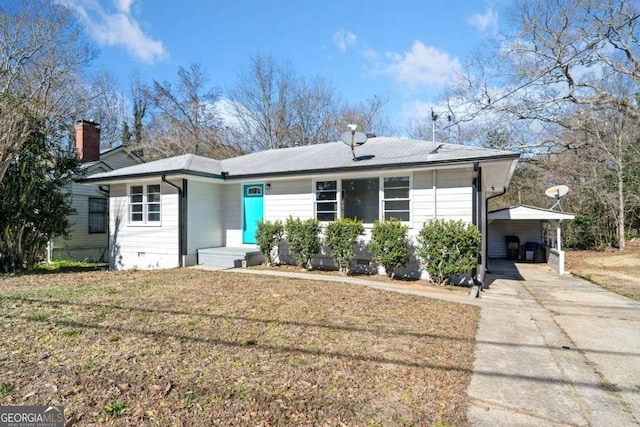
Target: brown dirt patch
[(613, 270), (191, 347)]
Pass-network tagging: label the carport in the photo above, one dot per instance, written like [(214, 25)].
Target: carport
[(527, 233)]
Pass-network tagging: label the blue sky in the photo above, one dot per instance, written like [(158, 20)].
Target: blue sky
[(405, 50)]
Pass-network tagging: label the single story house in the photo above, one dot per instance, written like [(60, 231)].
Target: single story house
[(182, 210), (521, 226), (88, 239)]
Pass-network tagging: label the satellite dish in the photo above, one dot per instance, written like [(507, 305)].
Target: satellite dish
[(556, 192), (359, 138), (353, 138)]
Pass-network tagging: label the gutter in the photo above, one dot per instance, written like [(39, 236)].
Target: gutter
[(182, 219), (91, 179), (226, 176), (405, 165), (476, 186), (107, 193)]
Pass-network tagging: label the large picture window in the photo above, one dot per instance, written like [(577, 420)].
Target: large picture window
[(396, 200), (97, 215), (144, 204), (361, 199)]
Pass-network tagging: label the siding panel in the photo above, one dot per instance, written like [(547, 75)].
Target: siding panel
[(231, 215), (143, 247), (204, 216), (453, 194), (289, 198)]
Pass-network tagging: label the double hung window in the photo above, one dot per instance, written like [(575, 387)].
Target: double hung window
[(144, 204)]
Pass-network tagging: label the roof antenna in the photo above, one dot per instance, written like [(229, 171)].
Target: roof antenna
[(353, 138), (435, 117)]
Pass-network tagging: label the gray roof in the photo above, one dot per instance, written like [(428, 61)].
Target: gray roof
[(188, 164), (376, 153)]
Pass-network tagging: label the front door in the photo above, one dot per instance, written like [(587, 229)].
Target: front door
[(253, 210)]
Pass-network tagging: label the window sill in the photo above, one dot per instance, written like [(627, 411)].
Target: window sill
[(142, 224)]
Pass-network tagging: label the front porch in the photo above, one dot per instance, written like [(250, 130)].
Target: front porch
[(226, 257)]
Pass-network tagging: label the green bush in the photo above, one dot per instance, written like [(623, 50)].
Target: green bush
[(303, 238), (342, 237), (389, 245), (580, 233), (448, 248), (268, 236)]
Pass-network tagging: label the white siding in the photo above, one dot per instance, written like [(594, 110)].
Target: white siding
[(204, 217), (289, 198), (422, 199), (526, 230), (232, 214), (144, 247), (80, 245), (453, 194)]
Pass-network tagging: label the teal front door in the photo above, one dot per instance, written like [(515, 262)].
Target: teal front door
[(253, 210)]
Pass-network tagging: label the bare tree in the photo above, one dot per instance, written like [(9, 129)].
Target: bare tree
[(42, 53), (315, 107), (276, 108), (262, 101), (567, 66), (107, 106), (184, 118), (368, 115)]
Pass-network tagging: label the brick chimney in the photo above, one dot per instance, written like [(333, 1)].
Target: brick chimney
[(88, 140)]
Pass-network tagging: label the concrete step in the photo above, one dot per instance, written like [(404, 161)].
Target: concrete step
[(228, 257)]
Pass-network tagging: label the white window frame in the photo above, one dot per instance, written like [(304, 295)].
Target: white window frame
[(146, 203), (409, 197), (381, 199), (338, 198)]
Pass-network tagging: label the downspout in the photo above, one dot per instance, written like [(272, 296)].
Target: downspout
[(476, 185), (486, 228), (107, 192), (181, 216)]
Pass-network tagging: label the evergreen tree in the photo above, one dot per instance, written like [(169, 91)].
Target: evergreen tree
[(34, 205)]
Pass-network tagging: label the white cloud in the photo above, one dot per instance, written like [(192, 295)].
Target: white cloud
[(119, 28), (486, 22), (124, 6), (421, 66), (344, 39)]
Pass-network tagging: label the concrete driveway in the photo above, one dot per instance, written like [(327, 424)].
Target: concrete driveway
[(554, 350)]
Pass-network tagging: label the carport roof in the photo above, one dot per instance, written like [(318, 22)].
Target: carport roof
[(524, 212)]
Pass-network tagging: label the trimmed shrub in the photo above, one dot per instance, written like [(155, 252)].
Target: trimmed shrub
[(389, 245), (303, 238), (447, 249), (341, 237), (268, 237)]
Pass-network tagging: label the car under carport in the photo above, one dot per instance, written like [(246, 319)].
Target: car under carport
[(528, 227)]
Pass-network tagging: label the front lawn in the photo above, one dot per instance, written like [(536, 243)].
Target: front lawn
[(213, 348), (613, 270)]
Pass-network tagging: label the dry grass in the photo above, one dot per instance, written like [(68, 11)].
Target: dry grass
[(615, 271), (208, 348)]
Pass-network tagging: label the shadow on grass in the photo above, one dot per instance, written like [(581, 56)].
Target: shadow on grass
[(64, 266), (265, 345), (377, 331)]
